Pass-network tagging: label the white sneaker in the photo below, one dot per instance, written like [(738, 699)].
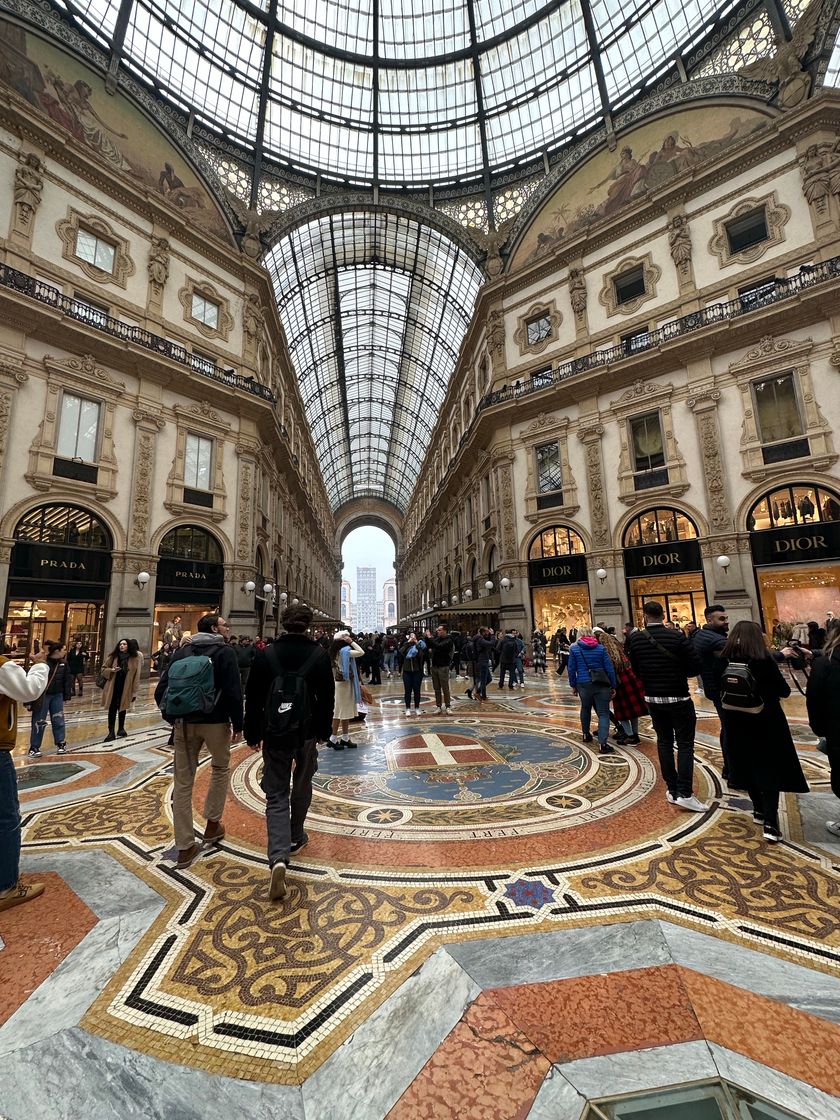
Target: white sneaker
[(438, 710), (833, 827), (408, 712), (693, 804), (670, 797), (413, 712), (449, 711)]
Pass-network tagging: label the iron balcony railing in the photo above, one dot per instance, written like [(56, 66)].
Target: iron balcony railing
[(77, 309)]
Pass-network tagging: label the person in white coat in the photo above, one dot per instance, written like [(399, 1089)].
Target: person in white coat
[(16, 687)]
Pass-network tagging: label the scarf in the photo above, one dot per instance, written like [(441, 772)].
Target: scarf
[(349, 671)]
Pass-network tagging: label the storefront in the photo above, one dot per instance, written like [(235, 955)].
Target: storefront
[(190, 581), (795, 545), (59, 581), (557, 579), (662, 562)]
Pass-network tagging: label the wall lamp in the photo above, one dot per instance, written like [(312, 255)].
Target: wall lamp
[(249, 587), (601, 574), (505, 584), (723, 561), (142, 580), (489, 585)]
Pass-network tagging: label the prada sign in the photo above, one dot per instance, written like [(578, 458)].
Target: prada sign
[(796, 544), (554, 570), (188, 581), (669, 558), (50, 571)]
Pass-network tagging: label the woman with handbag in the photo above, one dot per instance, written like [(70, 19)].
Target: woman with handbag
[(592, 677), (51, 704), (629, 699), (344, 653), (121, 673), (762, 757)]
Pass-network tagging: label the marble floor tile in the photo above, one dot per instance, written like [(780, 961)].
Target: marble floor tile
[(814, 810), (587, 951), (98, 879), (803, 1100), (365, 1077), (557, 1099), (613, 1074)]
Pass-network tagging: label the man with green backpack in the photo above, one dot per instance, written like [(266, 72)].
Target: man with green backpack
[(200, 693)]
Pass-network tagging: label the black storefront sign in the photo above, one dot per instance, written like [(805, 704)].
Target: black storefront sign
[(49, 571), (666, 559), (189, 581), (796, 544), (554, 570)]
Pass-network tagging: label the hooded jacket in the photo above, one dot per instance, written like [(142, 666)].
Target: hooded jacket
[(16, 687), (586, 654), (228, 707)]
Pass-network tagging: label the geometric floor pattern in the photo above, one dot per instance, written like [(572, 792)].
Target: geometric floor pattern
[(440, 839)]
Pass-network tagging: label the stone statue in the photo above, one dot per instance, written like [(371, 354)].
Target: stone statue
[(785, 66), (679, 242), (158, 266), (28, 187), (253, 316), (577, 290), (254, 225)]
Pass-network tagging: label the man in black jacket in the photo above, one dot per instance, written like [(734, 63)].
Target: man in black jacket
[(218, 732), (483, 644), (708, 642), (442, 648), (285, 815), (663, 660)]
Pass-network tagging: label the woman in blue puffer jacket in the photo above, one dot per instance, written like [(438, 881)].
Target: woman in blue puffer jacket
[(592, 677)]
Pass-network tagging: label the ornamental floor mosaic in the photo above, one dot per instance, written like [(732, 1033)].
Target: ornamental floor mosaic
[(493, 832)]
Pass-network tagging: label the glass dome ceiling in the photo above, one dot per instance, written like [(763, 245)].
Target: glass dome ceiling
[(399, 93)]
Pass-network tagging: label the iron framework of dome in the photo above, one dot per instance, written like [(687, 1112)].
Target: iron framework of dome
[(398, 94)]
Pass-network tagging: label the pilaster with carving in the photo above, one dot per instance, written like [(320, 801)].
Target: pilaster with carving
[(590, 433), (578, 298), (507, 536), (704, 404), (157, 268), (148, 425), (680, 247), (496, 340), (245, 504)]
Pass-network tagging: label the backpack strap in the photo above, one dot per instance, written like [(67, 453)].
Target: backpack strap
[(659, 646)]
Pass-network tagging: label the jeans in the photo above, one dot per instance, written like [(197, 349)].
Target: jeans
[(9, 823), (391, 660), (597, 696), (511, 674), (675, 722), (440, 682), (630, 726), (189, 739), (412, 682), (284, 814), (485, 676), (520, 670), (48, 707)]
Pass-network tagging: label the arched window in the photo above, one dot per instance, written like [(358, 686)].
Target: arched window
[(190, 542), (491, 560), (798, 504), (556, 541), (63, 525), (659, 526)]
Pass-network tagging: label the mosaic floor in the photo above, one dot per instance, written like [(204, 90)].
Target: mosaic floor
[(489, 919)]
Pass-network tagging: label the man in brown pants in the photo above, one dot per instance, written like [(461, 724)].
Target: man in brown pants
[(217, 730)]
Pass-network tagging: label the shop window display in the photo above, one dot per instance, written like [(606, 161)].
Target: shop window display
[(659, 526), (567, 605), (557, 541)]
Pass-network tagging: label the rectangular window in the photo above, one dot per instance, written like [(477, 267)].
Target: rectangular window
[(748, 230), (205, 310), (78, 428), (629, 285), (198, 458), (538, 329), (95, 251), (549, 468), (777, 409), (87, 309), (648, 451)]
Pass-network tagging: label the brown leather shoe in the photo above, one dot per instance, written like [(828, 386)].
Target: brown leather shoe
[(187, 856), (214, 832), (20, 892)]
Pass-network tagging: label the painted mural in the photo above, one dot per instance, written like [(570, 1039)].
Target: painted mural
[(110, 127), (646, 158)]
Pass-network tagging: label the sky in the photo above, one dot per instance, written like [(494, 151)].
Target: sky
[(364, 548)]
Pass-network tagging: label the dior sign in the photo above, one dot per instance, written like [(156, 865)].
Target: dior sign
[(663, 559), (796, 544), (555, 570)]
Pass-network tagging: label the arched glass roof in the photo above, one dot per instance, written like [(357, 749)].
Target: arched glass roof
[(396, 92), (375, 307)]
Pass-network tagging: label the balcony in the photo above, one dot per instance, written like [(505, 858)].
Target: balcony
[(71, 307)]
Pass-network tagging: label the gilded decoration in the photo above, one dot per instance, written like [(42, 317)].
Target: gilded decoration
[(209, 292), (68, 232), (546, 311), (776, 214), (607, 296)]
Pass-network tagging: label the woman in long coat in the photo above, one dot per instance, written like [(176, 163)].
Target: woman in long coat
[(344, 653), (762, 757), (121, 670), (823, 699)]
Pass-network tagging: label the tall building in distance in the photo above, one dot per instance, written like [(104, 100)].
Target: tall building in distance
[(366, 612), (390, 611), (346, 612)]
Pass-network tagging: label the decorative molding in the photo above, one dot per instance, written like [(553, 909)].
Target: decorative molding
[(607, 297), (200, 420), (546, 310), (777, 215), (495, 332), (206, 289), (157, 266), (549, 429), (5, 424), (29, 183), (68, 230), (85, 373), (590, 433), (244, 547), (648, 397), (704, 404)]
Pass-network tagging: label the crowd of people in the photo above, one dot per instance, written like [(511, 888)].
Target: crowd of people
[(307, 686)]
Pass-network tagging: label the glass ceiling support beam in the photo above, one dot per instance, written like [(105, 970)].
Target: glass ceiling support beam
[(482, 118), (597, 62), (339, 354), (117, 41), (779, 20), (375, 106), (265, 82)]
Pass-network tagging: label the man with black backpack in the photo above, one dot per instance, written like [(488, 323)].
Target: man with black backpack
[(289, 709), (508, 649), (200, 693), (663, 660)]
